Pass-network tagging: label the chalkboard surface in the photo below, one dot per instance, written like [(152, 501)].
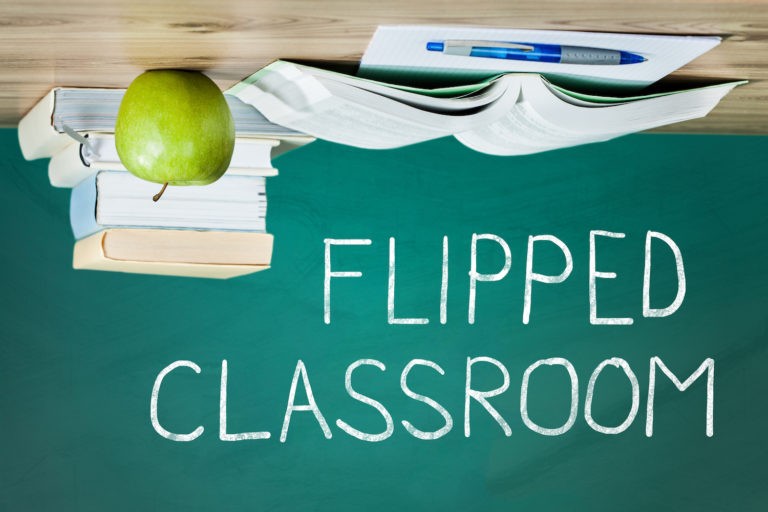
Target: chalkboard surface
[(81, 351)]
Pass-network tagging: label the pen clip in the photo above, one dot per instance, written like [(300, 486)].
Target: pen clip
[(490, 44), (86, 144)]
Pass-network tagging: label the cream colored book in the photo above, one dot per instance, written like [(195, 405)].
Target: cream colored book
[(187, 253)]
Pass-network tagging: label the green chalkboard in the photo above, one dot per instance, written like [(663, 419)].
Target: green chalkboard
[(80, 351)]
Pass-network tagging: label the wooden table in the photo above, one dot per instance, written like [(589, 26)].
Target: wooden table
[(107, 43)]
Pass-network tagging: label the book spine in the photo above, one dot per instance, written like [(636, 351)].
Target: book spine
[(37, 137), (66, 168), (82, 208), (89, 252)]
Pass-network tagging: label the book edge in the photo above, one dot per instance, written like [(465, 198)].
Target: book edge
[(37, 137), (88, 254)]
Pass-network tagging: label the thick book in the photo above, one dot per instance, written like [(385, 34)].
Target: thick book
[(43, 130), (117, 199), (187, 253), (511, 114), (78, 161)]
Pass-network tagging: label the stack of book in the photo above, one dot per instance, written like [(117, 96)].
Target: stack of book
[(217, 231)]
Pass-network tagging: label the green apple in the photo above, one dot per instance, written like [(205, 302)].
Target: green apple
[(175, 127)]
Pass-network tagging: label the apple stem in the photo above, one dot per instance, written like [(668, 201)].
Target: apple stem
[(157, 196)]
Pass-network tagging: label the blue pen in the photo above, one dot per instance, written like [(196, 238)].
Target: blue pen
[(535, 52)]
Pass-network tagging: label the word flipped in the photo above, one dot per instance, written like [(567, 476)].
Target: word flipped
[(531, 276)]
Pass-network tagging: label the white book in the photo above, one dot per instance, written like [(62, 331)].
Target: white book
[(43, 130), (118, 199), (397, 51), (513, 114), (77, 161)]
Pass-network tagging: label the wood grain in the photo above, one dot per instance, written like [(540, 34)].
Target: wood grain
[(107, 43)]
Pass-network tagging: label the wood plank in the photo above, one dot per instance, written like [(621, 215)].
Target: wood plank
[(107, 43)]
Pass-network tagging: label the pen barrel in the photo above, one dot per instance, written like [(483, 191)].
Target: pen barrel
[(536, 53), (593, 56)]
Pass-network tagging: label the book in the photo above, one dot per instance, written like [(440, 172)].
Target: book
[(77, 161), (510, 114), (188, 253), (398, 52), (48, 127), (111, 199)]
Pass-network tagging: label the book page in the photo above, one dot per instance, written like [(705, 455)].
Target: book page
[(522, 131), (231, 203), (186, 246), (444, 100), (542, 120), (579, 98), (341, 112)]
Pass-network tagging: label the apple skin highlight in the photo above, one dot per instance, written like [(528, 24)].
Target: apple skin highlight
[(174, 127)]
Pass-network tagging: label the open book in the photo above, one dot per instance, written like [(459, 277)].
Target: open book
[(511, 114)]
